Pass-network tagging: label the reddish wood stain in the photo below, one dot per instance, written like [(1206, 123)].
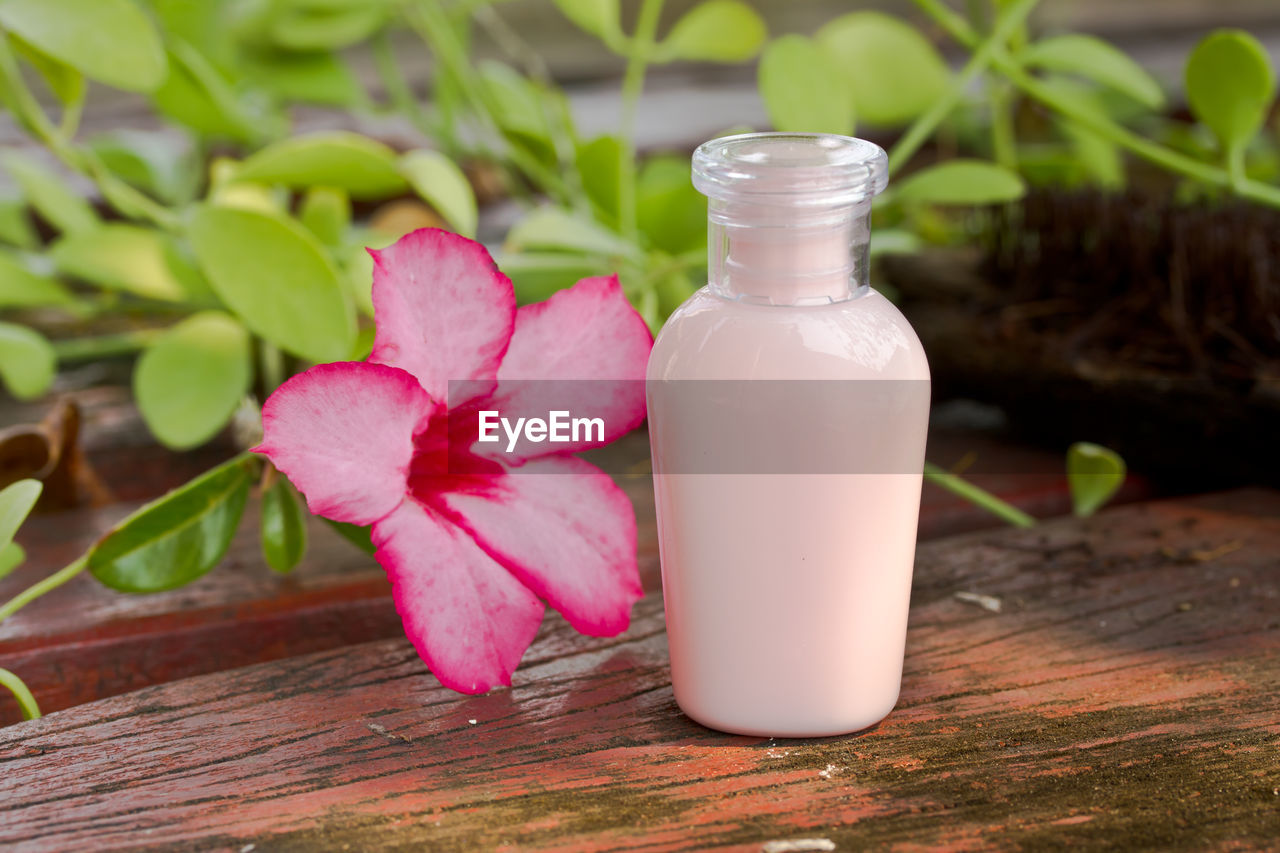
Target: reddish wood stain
[(1092, 709)]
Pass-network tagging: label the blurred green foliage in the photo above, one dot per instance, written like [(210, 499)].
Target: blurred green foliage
[(238, 257)]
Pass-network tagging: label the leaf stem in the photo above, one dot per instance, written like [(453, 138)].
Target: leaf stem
[(30, 114), (977, 495), (983, 55), (104, 346), (958, 28), (20, 691), (428, 20), (39, 588), (639, 49), (271, 362)]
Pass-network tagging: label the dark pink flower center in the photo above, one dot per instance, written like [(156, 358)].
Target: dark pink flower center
[(443, 460)]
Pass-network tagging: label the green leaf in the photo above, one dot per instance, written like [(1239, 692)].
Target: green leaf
[(598, 17), (277, 277), (50, 197), (15, 225), (894, 241), (326, 211), (110, 41), (362, 166), (151, 163), (439, 181), (16, 502), (196, 94), (538, 275), (1094, 473), (1230, 86), (669, 211), (893, 71), (317, 77), (284, 527), (803, 89), (11, 556), (1094, 59), (66, 83), (715, 31), (599, 163), (518, 107), (553, 228), (22, 288), (320, 28), (673, 289), (27, 361), (139, 260), (189, 382), (353, 533), (178, 537), (967, 182)]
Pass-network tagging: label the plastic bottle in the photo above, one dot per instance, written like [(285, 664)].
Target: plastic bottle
[(788, 408)]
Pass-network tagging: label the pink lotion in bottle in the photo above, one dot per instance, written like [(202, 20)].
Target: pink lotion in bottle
[(788, 407)]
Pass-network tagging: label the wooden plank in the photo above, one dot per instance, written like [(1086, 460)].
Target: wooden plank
[(1124, 696), (85, 642)]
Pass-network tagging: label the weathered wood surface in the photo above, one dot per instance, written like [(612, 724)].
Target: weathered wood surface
[(84, 642), (1124, 697)]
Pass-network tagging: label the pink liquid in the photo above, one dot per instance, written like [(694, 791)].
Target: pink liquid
[(786, 593)]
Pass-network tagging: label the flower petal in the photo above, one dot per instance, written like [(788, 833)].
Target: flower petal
[(443, 310), (566, 530), (588, 334), (343, 434), (469, 619)]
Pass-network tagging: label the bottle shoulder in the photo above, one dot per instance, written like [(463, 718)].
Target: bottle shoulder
[(710, 337)]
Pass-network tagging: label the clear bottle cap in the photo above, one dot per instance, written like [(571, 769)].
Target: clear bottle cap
[(789, 214), (790, 169)]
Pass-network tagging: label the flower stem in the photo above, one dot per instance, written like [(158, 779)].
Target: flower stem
[(639, 50), (39, 588), (983, 55), (20, 691), (957, 485)]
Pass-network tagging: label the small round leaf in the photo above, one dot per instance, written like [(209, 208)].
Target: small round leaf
[(52, 199), (125, 257), (189, 382), (27, 361), (111, 41), (176, 538), (16, 501), (964, 182), (598, 17), (440, 183), (715, 31), (284, 527), (362, 166), (277, 277), (22, 288), (1230, 85), (895, 74), (1094, 59), (803, 89), (1094, 473)]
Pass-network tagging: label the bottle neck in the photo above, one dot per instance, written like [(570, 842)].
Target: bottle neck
[(779, 255)]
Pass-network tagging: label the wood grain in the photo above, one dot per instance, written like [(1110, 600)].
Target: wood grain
[(85, 642), (1123, 697)]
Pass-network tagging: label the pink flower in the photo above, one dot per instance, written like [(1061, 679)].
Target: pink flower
[(472, 546)]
